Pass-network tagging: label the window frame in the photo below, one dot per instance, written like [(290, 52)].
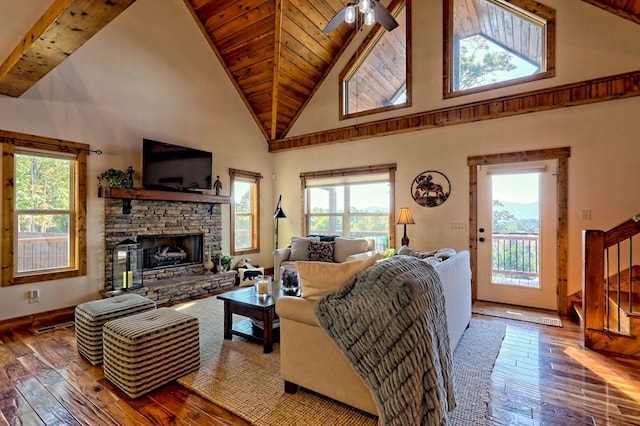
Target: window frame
[(253, 178), (358, 58), (307, 181), (22, 143), (529, 6)]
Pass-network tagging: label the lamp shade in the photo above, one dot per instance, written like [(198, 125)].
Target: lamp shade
[(405, 217), (279, 213)]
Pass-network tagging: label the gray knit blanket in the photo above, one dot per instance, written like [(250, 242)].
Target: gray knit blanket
[(390, 323)]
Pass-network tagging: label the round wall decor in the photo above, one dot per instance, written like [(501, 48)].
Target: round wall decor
[(430, 188)]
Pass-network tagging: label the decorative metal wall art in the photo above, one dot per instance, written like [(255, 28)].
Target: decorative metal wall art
[(430, 188)]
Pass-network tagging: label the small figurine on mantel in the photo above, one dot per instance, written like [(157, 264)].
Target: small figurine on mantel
[(130, 176), (217, 185)]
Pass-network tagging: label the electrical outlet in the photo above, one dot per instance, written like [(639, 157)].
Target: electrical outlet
[(458, 227), (34, 296)]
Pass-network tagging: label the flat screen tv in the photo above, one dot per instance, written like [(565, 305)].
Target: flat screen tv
[(173, 167)]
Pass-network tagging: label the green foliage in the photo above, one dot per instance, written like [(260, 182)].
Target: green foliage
[(115, 178), (477, 64), (223, 259), (516, 255), (42, 184), (389, 252)]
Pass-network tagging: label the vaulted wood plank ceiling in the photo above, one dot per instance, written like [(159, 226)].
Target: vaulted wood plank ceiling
[(274, 51)]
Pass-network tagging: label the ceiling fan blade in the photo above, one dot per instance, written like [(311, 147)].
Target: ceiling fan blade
[(383, 16), (337, 20)]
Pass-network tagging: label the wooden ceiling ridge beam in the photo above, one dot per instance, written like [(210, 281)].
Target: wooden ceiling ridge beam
[(276, 71), (63, 28), (601, 89), (616, 10)]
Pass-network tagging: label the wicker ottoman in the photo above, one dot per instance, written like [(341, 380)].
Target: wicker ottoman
[(91, 316), (145, 351)]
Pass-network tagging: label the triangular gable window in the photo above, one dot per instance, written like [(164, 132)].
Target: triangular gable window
[(378, 76), (496, 43)]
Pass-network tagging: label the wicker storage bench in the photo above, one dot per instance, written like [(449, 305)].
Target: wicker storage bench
[(145, 351), (91, 316)]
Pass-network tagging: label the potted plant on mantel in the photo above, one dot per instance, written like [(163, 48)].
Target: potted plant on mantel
[(113, 178)]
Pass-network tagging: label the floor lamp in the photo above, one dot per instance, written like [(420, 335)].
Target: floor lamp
[(278, 214), (405, 218)]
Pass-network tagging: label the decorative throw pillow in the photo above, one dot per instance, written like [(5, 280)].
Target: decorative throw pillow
[(345, 247), (320, 252), (320, 278), (299, 247)]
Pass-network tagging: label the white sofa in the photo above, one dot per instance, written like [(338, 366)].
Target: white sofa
[(309, 358), (345, 249)]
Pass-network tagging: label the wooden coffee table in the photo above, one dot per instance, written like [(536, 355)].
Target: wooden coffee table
[(244, 302)]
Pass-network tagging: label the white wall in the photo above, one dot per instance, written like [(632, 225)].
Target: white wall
[(603, 170), (150, 73)]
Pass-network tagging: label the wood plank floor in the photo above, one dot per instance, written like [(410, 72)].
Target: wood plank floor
[(542, 377)]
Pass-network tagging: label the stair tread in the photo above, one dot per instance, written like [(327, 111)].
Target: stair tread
[(624, 302)]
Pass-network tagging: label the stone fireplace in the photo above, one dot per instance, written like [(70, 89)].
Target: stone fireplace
[(174, 235)]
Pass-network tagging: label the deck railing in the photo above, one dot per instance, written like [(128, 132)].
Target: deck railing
[(43, 252), (516, 255)]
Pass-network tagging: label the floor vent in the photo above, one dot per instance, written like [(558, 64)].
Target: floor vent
[(52, 327)]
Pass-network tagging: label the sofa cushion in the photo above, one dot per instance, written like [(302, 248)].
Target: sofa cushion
[(320, 252), (299, 247), (345, 247), (320, 278)]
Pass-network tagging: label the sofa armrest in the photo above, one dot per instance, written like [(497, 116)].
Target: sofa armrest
[(361, 256), (296, 309), (279, 255)]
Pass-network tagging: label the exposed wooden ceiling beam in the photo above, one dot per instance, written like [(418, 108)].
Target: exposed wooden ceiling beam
[(59, 32)]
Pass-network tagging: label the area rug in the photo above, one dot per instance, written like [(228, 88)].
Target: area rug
[(236, 375), (537, 316)]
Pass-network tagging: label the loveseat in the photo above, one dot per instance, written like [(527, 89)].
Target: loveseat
[(321, 248), (310, 359)]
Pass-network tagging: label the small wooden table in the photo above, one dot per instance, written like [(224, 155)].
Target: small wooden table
[(245, 302)]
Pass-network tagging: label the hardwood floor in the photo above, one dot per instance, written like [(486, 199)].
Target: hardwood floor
[(542, 377)]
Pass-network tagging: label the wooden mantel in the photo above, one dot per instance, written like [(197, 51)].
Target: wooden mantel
[(156, 195)]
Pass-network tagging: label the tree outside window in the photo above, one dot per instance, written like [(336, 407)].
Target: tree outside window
[(45, 215), (43, 200)]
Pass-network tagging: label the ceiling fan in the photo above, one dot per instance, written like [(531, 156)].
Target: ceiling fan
[(372, 10)]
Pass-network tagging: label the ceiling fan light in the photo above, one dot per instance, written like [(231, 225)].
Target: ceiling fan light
[(350, 15), (364, 5), (369, 17)]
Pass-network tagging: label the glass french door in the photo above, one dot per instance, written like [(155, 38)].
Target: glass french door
[(517, 234)]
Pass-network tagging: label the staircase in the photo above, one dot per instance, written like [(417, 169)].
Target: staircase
[(611, 289)]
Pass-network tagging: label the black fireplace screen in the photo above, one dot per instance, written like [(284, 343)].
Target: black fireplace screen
[(163, 251)]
